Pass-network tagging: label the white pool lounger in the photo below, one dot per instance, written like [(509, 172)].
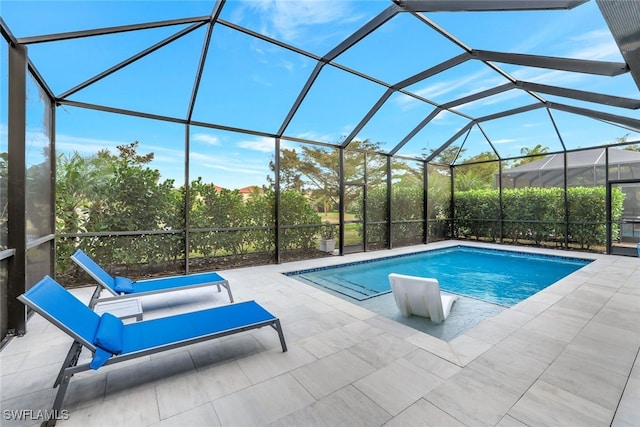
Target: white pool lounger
[(420, 296)]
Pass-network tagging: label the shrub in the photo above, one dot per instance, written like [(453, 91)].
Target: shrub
[(537, 214)]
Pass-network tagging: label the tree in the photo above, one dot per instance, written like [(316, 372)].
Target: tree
[(531, 154), (447, 156), (290, 176), (315, 171), (478, 172), (106, 192)]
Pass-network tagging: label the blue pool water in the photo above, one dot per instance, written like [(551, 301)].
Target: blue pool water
[(496, 276)]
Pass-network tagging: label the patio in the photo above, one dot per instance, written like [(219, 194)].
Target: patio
[(566, 356)]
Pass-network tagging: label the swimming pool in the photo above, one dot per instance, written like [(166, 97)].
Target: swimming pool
[(496, 276)]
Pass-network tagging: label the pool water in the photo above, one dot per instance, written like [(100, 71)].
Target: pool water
[(495, 276)]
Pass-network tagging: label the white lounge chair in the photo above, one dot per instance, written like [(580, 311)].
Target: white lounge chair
[(420, 296)]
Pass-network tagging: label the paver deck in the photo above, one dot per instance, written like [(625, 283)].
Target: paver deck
[(565, 356)]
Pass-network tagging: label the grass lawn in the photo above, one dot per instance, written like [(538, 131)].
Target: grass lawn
[(334, 217)]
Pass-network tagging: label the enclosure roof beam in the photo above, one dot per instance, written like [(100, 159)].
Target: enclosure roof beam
[(131, 59), (443, 66), (623, 19), (444, 33), (615, 101), (603, 68), (267, 39), (36, 74), (415, 130), (556, 129), (111, 30), (493, 147), (449, 142), (627, 122), (303, 93), (485, 5), (474, 97), (6, 33), (385, 96), (511, 112), (215, 13), (362, 32)]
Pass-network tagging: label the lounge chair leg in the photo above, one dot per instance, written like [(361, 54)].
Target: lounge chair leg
[(226, 285), (278, 328), (71, 360), (95, 296), (57, 403)]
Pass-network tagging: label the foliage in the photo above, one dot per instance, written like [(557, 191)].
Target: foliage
[(315, 171), (121, 193), (470, 206), (439, 194), (447, 156), (531, 154), (407, 213), (223, 210), (296, 210), (328, 231), (587, 213), (533, 213), (106, 192), (477, 175), (537, 214)]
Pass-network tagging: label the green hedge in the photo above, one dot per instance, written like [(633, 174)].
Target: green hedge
[(537, 214)]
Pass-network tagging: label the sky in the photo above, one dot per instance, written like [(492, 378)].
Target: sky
[(248, 83)]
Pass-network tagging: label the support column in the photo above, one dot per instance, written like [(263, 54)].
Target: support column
[(16, 202)]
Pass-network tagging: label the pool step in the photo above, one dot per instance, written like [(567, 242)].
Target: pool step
[(344, 287)]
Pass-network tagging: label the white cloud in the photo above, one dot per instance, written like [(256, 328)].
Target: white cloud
[(263, 144), (235, 169), (596, 45), (291, 20), (459, 87), (503, 141), (83, 145), (203, 137), (316, 136)]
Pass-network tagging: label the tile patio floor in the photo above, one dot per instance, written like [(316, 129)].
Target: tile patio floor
[(566, 356)]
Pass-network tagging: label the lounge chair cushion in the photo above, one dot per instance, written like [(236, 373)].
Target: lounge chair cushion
[(100, 357), (123, 284), (109, 333)]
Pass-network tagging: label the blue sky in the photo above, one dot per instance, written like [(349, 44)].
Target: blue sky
[(251, 84)]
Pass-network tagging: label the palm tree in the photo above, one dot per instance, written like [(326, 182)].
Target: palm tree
[(531, 154)]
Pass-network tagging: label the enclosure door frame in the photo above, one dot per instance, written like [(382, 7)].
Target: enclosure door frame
[(612, 249)]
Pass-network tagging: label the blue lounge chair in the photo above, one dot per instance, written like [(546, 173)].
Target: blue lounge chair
[(122, 287), (111, 341)]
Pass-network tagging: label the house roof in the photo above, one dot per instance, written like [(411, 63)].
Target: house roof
[(578, 159)]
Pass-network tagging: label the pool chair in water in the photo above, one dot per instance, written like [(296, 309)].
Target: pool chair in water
[(122, 287), (420, 296), (110, 341)]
